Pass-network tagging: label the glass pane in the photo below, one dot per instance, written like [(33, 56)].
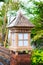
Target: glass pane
[(25, 36), (20, 43), (13, 43), (13, 36), (20, 36), (25, 43)]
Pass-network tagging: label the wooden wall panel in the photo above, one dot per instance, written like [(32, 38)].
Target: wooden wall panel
[(23, 59)]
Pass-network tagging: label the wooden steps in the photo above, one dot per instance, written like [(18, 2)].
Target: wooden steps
[(4, 52), (4, 61)]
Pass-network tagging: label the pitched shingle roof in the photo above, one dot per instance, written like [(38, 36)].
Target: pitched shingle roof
[(20, 21)]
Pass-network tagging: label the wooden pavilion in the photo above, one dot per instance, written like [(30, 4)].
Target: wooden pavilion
[(20, 38)]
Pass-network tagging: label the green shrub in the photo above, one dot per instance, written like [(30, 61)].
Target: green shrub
[(37, 57), (7, 46)]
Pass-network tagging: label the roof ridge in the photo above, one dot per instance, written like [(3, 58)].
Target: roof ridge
[(20, 20)]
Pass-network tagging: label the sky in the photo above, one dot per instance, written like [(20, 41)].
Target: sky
[(24, 0), (1, 3)]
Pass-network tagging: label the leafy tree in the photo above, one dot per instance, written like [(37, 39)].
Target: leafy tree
[(38, 20), (8, 5), (36, 12), (1, 0)]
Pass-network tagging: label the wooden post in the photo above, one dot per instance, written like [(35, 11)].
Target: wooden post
[(11, 39), (16, 40), (29, 39)]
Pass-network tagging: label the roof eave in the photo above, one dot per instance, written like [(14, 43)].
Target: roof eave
[(20, 26)]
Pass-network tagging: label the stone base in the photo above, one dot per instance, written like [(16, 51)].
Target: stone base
[(20, 59)]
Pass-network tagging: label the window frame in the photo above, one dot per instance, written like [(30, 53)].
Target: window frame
[(22, 39)]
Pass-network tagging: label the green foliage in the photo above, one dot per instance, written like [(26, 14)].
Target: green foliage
[(8, 5), (7, 46), (39, 34), (1, 0), (37, 18), (14, 5), (37, 57), (1, 21)]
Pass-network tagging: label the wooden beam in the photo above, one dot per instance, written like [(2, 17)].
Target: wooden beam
[(29, 38)]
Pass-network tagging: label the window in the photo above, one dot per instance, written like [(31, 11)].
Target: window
[(25, 36), (20, 39), (25, 43), (13, 36), (13, 40), (13, 43), (20, 36), (20, 43), (23, 39)]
